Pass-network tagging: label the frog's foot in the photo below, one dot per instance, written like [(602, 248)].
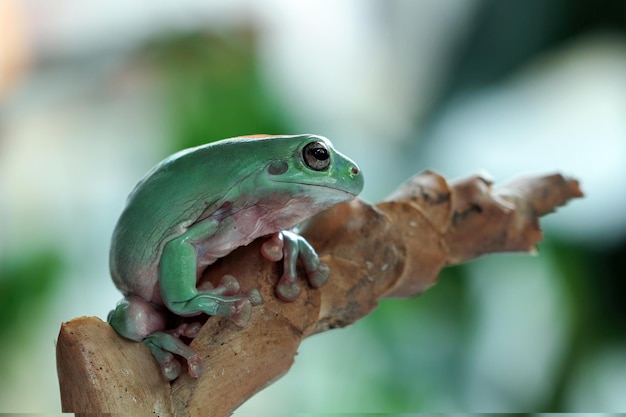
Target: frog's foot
[(216, 302), (230, 286), (293, 246), (241, 307), (164, 346)]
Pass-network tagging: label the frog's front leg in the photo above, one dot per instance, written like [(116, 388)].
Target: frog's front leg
[(177, 278), (289, 246)]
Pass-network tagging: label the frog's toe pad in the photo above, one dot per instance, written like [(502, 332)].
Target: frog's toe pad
[(194, 364), (242, 310), (272, 249), (318, 277), (189, 330), (171, 369), (228, 285), (288, 290), (255, 297), (205, 286)]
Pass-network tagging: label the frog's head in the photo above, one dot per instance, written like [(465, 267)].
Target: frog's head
[(310, 164)]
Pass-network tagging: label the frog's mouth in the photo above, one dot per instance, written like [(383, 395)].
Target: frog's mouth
[(324, 190), (352, 186)]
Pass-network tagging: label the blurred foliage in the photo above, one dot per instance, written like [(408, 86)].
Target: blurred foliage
[(27, 285), (595, 290), (213, 88), (505, 35), (427, 359)]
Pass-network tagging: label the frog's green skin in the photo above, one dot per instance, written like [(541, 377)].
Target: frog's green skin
[(200, 204)]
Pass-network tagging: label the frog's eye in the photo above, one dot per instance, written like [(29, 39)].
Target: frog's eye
[(316, 156)]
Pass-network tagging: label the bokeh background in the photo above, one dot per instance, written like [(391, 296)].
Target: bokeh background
[(92, 94)]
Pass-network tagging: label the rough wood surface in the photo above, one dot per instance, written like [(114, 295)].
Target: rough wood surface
[(99, 371), (393, 249)]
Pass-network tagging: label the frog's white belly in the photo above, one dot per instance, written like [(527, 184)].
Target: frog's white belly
[(240, 229), (237, 227)]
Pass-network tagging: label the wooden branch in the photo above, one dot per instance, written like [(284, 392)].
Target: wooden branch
[(393, 249)]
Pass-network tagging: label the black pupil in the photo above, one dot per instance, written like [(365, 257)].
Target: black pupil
[(320, 154)]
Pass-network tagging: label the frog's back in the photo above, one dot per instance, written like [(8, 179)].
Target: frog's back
[(172, 196), (162, 206)]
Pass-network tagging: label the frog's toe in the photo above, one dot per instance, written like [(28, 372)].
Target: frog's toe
[(272, 249), (194, 365), (193, 329), (164, 346), (189, 330), (241, 312), (255, 297), (288, 289), (171, 369), (206, 286), (228, 285), (319, 276)]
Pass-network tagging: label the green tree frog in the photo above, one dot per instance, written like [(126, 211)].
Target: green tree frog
[(200, 204)]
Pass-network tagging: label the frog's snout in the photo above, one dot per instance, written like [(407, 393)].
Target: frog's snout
[(356, 178)]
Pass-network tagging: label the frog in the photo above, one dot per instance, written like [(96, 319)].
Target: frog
[(199, 205)]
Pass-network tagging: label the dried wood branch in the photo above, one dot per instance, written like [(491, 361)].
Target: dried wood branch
[(393, 249)]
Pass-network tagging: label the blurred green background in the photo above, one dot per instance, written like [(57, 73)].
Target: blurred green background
[(94, 94)]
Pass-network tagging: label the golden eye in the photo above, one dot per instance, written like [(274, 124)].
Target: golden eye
[(316, 156)]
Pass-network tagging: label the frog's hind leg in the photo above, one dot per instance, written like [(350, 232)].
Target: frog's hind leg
[(136, 319)]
